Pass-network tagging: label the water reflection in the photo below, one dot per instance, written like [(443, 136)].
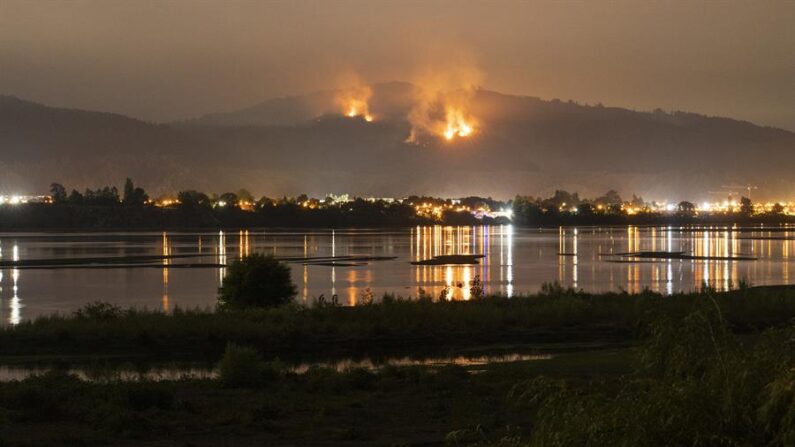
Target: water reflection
[(515, 260), (453, 282), (221, 252), (166, 252), (333, 267), (15, 305), (716, 247), (193, 371)]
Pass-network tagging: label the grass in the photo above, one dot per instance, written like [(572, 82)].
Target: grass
[(696, 383), (358, 407), (392, 327), (706, 369)]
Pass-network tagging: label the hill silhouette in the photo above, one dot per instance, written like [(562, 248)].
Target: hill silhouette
[(300, 144)]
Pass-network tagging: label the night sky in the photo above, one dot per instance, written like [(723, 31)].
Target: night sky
[(170, 60)]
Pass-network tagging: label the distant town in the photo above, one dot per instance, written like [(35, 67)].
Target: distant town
[(110, 207)]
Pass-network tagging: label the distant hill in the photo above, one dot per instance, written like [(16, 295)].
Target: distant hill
[(41, 144), (391, 99), (302, 144)]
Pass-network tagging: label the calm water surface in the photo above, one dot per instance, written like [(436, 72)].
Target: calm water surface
[(517, 261)]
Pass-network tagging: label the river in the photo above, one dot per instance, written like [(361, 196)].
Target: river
[(44, 273)]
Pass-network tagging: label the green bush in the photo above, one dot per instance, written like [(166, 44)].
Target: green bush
[(256, 281), (241, 367)]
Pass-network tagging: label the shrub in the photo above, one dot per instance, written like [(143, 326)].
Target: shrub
[(41, 398), (696, 384), (777, 412), (241, 367), (256, 281), (476, 290), (99, 311)]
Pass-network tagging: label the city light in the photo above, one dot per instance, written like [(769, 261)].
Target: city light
[(18, 199)]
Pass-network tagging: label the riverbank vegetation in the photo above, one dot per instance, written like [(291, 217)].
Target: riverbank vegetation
[(707, 369), (386, 326)]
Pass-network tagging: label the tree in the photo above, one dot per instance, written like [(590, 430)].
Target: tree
[(256, 281), (58, 193), (525, 210), (746, 206), (265, 201), (132, 195), (559, 199), (610, 198), (778, 208), (585, 209), (129, 190), (244, 195), (686, 209), (75, 197), (193, 199), (106, 196), (228, 199)]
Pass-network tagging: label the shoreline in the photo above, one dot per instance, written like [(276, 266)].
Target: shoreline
[(726, 225)]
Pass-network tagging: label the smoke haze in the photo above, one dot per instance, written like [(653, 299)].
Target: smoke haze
[(179, 59)]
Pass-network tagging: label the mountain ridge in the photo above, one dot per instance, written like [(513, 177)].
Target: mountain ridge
[(526, 145)]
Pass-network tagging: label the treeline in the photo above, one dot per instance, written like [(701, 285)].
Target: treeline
[(566, 208), (108, 195), (108, 208)]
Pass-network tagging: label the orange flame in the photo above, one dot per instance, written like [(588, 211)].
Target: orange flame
[(358, 107), (457, 124), (442, 113), (354, 102)]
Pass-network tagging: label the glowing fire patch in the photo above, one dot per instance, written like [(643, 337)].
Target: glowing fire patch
[(457, 125), (354, 102), (442, 114), (358, 108)]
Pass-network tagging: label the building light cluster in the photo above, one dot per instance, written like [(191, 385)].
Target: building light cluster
[(437, 210), (20, 199), (702, 208), (164, 202)]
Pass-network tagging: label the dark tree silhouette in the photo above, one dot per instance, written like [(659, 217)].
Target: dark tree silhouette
[(610, 198), (256, 281), (686, 209), (58, 193), (229, 199), (193, 199), (585, 209), (746, 206), (132, 195)]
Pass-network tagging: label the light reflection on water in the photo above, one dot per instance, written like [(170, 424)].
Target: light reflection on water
[(516, 260), (179, 372)]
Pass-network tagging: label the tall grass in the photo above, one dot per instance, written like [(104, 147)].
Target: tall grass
[(697, 384), (555, 315), (242, 366)]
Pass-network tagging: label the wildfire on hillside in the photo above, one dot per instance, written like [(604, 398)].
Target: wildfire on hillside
[(457, 123), (444, 114), (355, 102)]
